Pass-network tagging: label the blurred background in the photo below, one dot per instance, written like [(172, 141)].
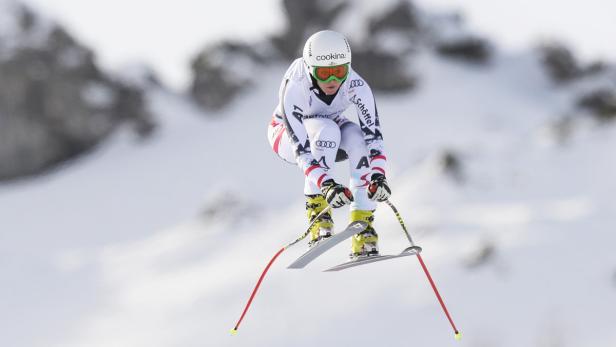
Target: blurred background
[(139, 197)]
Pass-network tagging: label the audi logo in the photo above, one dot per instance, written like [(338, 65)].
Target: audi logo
[(356, 83), (326, 144)]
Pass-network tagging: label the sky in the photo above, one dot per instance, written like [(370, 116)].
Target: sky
[(166, 34)]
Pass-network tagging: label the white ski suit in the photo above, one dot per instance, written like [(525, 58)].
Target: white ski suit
[(308, 129)]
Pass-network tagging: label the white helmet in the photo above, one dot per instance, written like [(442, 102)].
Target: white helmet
[(327, 48)]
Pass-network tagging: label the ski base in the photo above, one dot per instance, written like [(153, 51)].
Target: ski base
[(373, 259), (323, 246)]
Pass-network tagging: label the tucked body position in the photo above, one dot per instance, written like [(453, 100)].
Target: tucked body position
[(308, 129)]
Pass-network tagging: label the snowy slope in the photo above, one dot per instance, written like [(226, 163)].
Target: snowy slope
[(159, 243)]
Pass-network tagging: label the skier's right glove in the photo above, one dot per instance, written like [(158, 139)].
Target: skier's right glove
[(336, 194)]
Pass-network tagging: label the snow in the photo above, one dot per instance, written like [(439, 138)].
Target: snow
[(159, 242)]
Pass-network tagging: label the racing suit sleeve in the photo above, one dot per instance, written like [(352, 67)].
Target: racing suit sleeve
[(293, 103), (360, 94)]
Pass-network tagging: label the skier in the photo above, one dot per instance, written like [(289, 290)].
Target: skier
[(308, 129)]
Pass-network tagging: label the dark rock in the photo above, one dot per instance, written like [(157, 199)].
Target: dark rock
[(469, 49), (452, 165), (222, 71), (600, 102), (129, 106), (484, 253), (562, 129), (446, 33), (27, 19), (401, 17), (303, 19), (383, 71), (133, 82), (55, 104), (228, 207), (223, 205), (594, 68), (562, 65), (559, 62)]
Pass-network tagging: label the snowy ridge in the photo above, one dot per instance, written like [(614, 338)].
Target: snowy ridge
[(15, 33)]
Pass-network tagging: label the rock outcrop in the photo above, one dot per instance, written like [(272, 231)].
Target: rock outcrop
[(55, 103)]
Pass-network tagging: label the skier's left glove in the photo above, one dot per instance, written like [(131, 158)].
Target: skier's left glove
[(378, 189)]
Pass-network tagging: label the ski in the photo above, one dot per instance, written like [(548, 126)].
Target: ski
[(323, 246), (373, 259)]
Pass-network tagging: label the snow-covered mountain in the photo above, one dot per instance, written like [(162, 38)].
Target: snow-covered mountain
[(506, 185)]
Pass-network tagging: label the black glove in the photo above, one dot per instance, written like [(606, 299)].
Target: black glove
[(336, 194), (378, 189)]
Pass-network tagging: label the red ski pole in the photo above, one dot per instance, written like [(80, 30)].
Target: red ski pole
[(457, 333), (254, 291)]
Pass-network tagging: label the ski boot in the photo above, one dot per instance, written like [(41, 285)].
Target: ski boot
[(322, 228), (364, 244)]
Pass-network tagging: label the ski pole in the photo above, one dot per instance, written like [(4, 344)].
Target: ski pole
[(254, 291), (406, 232), (457, 336)]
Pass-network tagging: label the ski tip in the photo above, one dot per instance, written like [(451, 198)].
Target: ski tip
[(458, 336), (233, 331)]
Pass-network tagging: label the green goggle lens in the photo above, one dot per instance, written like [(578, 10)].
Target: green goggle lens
[(330, 73)]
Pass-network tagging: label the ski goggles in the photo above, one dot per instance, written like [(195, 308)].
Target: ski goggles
[(329, 73)]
